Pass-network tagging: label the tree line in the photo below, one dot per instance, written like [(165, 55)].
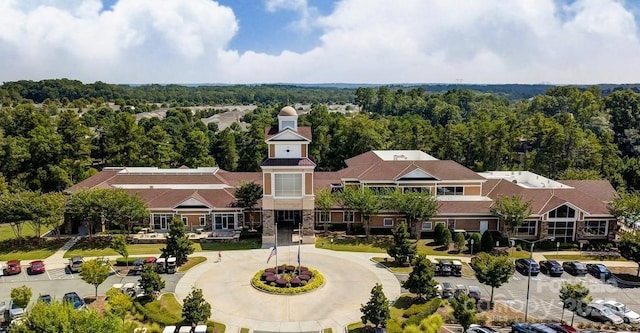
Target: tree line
[(566, 133)]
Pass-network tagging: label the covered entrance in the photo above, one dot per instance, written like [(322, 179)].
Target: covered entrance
[(287, 221)]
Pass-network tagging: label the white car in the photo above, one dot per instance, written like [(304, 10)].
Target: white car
[(621, 310), (474, 328)]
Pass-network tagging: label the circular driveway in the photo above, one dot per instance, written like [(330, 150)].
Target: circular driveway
[(226, 285)]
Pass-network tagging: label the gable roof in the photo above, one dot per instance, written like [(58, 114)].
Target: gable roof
[(303, 131)]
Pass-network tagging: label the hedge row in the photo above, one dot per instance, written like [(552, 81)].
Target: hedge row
[(418, 312), (317, 282), (121, 262)]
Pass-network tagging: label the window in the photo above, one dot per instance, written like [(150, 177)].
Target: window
[(185, 220), (416, 189), (450, 190), (562, 212), (427, 225), (388, 222), (337, 188), (288, 216), (561, 229), (161, 221), (596, 228), (203, 220), (323, 217), (288, 123), (224, 221), (288, 185), (527, 228), (347, 216)]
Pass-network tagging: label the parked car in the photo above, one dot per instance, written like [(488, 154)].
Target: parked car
[(13, 267), (599, 270), (551, 267), (447, 289), (562, 328), (36, 267), (137, 266), (15, 311), (527, 266), (621, 310), (74, 264), (474, 328), (475, 293), (574, 268), (46, 298), (531, 328), (75, 300), (599, 312)]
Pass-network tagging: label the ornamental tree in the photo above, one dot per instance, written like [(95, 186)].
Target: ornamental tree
[(94, 272), (420, 279), (178, 244), (416, 207), (119, 244), (573, 297), (402, 249), (464, 310), (512, 211), (150, 280), (195, 308), (247, 196), (376, 311), (629, 247), (493, 271)]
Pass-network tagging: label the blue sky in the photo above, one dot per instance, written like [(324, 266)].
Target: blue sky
[(321, 41)]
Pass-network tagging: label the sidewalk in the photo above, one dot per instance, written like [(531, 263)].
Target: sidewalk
[(57, 258)]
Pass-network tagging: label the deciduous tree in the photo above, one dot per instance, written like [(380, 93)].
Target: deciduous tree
[(195, 308), (247, 196), (376, 311), (21, 296), (364, 201), (119, 244), (629, 247), (464, 310), (324, 201), (420, 279), (59, 317), (573, 296), (512, 211), (118, 303), (94, 272), (150, 280), (416, 207), (493, 271)]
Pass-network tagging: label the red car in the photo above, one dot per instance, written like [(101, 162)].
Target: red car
[(36, 267), (13, 267)]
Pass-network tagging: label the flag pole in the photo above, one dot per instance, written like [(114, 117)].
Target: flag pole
[(276, 247), (299, 242)]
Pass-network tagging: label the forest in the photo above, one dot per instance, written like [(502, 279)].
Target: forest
[(55, 133)]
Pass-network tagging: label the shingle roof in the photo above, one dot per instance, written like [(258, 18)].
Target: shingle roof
[(94, 181), (303, 131), (288, 162)]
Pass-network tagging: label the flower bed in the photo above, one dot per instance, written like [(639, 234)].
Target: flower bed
[(287, 281)]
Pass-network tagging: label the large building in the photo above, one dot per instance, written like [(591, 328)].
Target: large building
[(568, 210)]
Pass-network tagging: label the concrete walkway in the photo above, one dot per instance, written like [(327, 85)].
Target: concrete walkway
[(349, 277), (57, 258)]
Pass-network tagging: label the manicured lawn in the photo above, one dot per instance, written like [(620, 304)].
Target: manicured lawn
[(7, 233), (391, 265), (244, 330), (99, 247), (355, 244), (428, 248), (355, 327), (578, 257), (327, 330), (30, 249), (519, 254), (243, 244), (191, 262)]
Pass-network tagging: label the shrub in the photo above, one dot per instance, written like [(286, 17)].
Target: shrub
[(427, 308), (121, 262), (486, 242), (272, 287), (154, 312), (476, 236), (438, 233)]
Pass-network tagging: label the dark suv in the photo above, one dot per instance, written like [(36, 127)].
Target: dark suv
[(527, 266), (574, 268), (551, 267)]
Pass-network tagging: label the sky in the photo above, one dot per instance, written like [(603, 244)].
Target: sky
[(321, 41)]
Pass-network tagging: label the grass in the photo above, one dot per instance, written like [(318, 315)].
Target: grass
[(99, 247), (355, 244), (191, 262), (29, 249), (583, 257), (355, 327), (392, 266), (169, 302), (519, 254), (243, 244), (6, 233), (327, 330), (244, 330), (217, 327)]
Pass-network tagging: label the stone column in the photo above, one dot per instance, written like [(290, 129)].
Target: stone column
[(579, 230), (308, 234), (268, 229), (544, 229)]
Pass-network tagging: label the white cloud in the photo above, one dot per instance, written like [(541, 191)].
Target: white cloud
[(378, 41)]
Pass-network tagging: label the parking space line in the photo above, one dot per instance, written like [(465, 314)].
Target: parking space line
[(47, 271)]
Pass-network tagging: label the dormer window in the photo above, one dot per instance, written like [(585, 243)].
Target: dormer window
[(288, 123)]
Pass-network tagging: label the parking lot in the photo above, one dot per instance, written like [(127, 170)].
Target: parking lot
[(544, 302)]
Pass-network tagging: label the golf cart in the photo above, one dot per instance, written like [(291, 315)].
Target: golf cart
[(456, 268), (171, 265), (444, 267), (161, 266), (137, 266)]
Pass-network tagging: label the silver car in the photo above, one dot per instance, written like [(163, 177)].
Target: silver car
[(621, 310), (599, 312)]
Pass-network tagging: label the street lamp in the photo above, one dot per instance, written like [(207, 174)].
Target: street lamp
[(532, 243), (471, 246)]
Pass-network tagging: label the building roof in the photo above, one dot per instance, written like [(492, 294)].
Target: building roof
[(288, 111), (288, 162), (303, 131)]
